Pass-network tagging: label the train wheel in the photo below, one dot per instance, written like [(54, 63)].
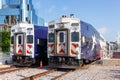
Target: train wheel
[(86, 61), (80, 63)]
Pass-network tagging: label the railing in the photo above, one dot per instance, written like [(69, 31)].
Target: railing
[(3, 58)]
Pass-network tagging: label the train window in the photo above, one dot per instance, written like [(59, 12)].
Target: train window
[(51, 37), (29, 38), (12, 40), (75, 36), (61, 37), (19, 39), (75, 24), (51, 26)]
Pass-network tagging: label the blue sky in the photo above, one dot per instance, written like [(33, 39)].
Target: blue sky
[(104, 15)]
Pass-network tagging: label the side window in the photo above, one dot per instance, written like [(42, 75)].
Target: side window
[(29, 38), (51, 37), (75, 36), (12, 40), (61, 39)]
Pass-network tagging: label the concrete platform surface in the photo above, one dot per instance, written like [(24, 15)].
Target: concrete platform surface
[(111, 62)]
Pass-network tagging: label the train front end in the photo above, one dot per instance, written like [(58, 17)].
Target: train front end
[(64, 42), (22, 44)]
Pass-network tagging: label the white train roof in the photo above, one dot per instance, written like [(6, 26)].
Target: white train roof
[(65, 19), (22, 25)]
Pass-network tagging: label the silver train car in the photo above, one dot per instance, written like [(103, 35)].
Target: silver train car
[(28, 44), (72, 42)]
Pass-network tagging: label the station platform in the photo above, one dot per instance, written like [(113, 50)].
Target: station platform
[(111, 62)]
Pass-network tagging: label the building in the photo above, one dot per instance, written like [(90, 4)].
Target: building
[(118, 41), (15, 11)]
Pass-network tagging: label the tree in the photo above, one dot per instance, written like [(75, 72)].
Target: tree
[(5, 41)]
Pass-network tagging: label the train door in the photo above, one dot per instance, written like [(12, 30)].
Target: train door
[(62, 42), (19, 43)]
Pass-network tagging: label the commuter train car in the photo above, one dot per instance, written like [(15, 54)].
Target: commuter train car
[(28, 44), (72, 42)]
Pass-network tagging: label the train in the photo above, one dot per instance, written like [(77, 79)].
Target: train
[(28, 44), (73, 42)]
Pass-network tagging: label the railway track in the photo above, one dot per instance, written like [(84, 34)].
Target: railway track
[(7, 68), (52, 74), (10, 69), (38, 74), (78, 68)]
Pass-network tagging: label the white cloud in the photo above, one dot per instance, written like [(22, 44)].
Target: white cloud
[(64, 8), (51, 9), (103, 30)]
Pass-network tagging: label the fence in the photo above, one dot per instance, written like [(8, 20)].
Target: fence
[(4, 58)]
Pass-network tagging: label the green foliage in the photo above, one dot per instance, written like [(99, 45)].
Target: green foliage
[(5, 44)]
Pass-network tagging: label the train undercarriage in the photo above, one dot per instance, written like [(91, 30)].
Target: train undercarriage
[(65, 62), (28, 61), (68, 62)]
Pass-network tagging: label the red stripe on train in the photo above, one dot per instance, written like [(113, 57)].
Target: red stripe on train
[(72, 51), (61, 44), (50, 45), (61, 51), (19, 51), (75, 45), (29, 46)]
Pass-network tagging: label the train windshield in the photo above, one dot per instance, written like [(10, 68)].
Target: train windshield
[(61, 37), (75, 36), (29, 38), (12, 40), (51, 37), (19, 39)]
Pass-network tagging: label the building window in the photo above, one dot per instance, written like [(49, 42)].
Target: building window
[(26, 18), (28, 7), (21, 14), (13, 20)]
